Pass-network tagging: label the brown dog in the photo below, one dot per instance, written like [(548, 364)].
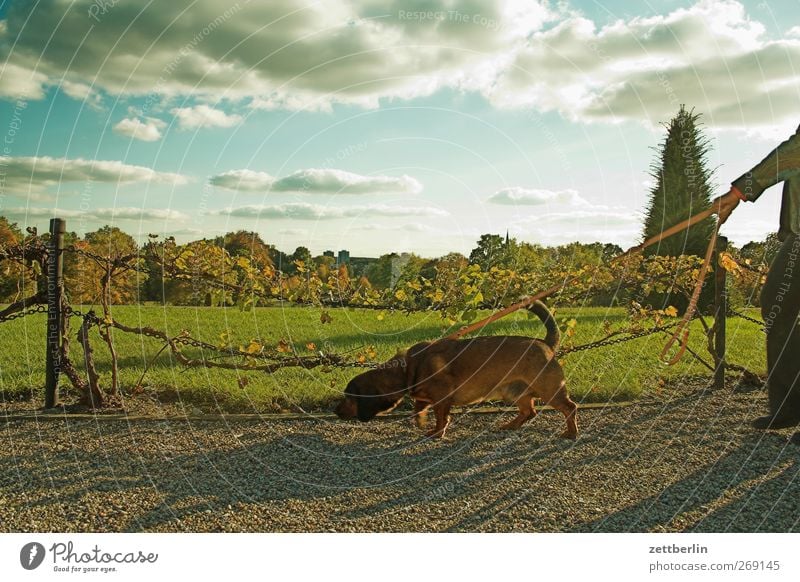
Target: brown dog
[(456, 372)]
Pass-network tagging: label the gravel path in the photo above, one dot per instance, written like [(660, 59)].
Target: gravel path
[(682, 463)]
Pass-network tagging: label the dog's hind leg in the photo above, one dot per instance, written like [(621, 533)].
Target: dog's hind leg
[(526, 412), (441, 411), (569, 409)]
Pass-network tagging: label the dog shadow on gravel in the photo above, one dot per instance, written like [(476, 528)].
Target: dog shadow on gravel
[(752, 488), (454, 472)]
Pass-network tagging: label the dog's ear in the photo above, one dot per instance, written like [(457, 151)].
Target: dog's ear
[(367, 407), (378, 390), (366, 402), (413, 357)]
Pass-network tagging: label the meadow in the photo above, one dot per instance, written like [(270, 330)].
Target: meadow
[(614, 373)]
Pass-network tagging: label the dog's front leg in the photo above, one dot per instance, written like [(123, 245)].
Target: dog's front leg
[(441, 411), (421, 413)]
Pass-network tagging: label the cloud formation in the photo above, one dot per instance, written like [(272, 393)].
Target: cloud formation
[(516, 195), (202, 115), (133, 213), (120, 213), (276, 55), (135, 128), (34, 174), (304, 211), (711, 55), (314, 180)]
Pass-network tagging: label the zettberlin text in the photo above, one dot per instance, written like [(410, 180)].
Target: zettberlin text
[(675, 549)]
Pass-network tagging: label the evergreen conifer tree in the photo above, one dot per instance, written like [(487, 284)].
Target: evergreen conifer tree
[(682, 188)]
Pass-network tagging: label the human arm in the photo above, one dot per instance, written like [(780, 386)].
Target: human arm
[(781, 164)]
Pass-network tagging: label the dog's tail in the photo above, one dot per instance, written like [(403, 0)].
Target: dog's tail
[(553, 337)]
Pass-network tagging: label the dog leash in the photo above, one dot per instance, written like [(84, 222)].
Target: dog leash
[(682, 328)]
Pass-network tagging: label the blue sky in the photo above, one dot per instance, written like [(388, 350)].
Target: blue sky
[(382, 126)]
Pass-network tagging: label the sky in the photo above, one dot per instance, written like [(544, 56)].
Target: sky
[(380, 126)]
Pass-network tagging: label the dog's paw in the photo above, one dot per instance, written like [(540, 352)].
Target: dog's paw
[(509, 426)]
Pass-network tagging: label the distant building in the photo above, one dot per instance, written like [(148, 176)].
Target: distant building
[(356, 266), (398, 264)]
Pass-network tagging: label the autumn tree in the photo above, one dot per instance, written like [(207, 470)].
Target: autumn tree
[(302, 255), (84, 276), (379, 273), (761, 252), (755, 258), (325, 266), (248, 244), (491, 251), (16, 281)]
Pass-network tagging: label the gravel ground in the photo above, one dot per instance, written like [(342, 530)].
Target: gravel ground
[(675, 463)]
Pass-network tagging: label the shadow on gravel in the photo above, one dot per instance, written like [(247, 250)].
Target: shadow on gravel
[(641, 468), (401, 470), (751, 488)]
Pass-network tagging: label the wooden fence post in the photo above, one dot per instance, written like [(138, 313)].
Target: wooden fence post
[(55, 290), (720, 313)]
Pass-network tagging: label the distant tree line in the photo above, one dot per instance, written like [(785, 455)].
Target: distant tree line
[(388, 273)]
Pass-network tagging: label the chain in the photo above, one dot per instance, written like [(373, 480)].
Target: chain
[(614, 341), (70, 311), (734, 313), (41, 308)]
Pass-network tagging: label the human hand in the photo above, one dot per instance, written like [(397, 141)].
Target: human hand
[(725, 204)]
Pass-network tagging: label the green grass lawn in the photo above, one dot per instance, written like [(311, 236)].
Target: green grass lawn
[(612, 373)]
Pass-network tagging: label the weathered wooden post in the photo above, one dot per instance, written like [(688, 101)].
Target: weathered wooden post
[(720, 312), (55, 291)]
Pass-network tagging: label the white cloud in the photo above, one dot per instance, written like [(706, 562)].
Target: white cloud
[(303, 211), (535, 197), (81, 92), (135, 128), (24, 175), (410, 227), (313, 180), (590, 218), (189, 232), (132, 213), (278, 55), (710, 55), (585, 224), (243, 180), (120, 213), (21, 82), (204, 116), (23, 212)]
